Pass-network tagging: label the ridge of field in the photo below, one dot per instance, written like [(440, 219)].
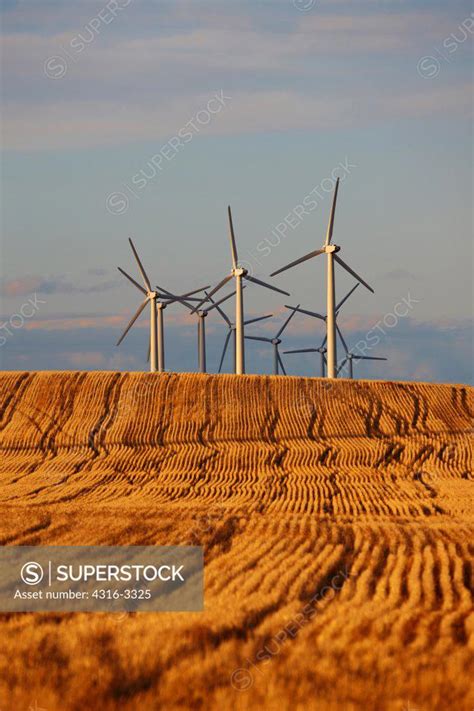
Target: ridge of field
[(299, 445), (288, 483)]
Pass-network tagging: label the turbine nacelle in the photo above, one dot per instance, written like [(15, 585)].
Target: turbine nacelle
[(239, 271), (330, 248)]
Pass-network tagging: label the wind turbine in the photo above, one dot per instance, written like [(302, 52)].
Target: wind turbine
[(232, 331), (202, 313), (275, 341), (350, 357), (157, 304), (238, 273), (331, 251), (322, 350)]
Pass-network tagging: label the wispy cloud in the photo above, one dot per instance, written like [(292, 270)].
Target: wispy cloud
[(262, 66), (59, 284), (84, 360), (416, 350), (84, 124)]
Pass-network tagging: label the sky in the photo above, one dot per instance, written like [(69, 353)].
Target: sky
[(145, 119)]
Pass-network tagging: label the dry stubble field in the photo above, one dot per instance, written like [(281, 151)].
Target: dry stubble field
[(289, 484)]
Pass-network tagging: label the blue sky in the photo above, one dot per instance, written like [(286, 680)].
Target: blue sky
[(378, 93)]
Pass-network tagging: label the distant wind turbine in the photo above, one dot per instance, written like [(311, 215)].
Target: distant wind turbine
[(238, 273), (157, 304), (275, 341), (350, 357), (322, 350), (331, 251)]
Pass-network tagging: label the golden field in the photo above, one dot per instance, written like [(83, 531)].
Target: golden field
[(288, 483)]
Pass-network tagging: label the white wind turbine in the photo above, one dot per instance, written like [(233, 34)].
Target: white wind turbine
[(202, 313), (238, 273), (275, 341), (157, 305), (331, 251)]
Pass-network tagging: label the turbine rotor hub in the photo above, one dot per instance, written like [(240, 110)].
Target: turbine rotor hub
[(239, 271), (331, 248)]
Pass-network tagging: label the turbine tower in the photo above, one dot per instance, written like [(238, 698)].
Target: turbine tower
[(331, 252), (275, 341), (232, 331), (239, 274), (157, 305)]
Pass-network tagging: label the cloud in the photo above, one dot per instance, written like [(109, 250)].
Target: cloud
[(59, 284), (85, 359), (85, 124), (275, 76), (437, 351)]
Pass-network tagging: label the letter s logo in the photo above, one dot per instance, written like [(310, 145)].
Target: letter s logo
[(32, 573)]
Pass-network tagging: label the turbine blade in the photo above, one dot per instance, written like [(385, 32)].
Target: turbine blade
[(181, 297), (132, 321), (298, 261), (281, 363), (342, 338), (233, 246), (324, 342), (224, 316), (267, 286), (211, 293), (216, 303), (140, 266), (259, 338), (259, 318), (303, 350), (174, 298), (354, 274), (149, 352), (226, 343), (305, 311), (132, 280), (345, 298), (195, 291), (287, 322), (161, 288), (368, 358), (341, 366), (331, 217)]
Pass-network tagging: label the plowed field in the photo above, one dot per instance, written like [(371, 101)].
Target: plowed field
[(290, 484)]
